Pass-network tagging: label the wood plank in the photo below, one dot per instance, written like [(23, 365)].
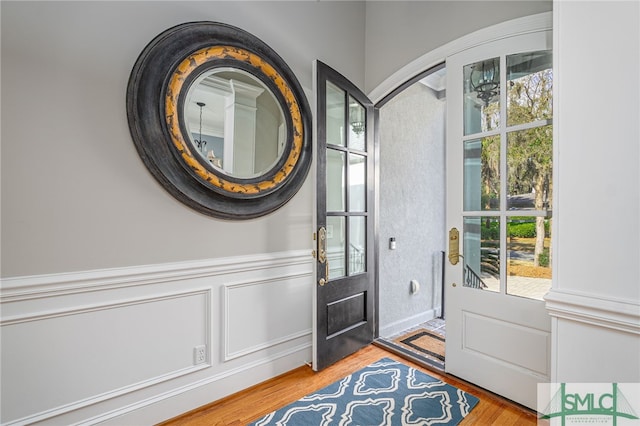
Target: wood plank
[(252, 403)]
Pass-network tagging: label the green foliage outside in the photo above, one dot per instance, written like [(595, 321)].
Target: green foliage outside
[(516, 229), (521, 230), (543, 258), (490, 231)]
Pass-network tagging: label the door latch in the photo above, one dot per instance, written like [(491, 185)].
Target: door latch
[(322, 255), (322, 245), (454, 246)]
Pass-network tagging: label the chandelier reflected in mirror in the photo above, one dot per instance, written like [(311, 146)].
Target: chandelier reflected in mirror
[(200, 143)]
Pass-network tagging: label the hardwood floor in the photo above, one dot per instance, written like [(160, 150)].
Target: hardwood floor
[(257, 401)]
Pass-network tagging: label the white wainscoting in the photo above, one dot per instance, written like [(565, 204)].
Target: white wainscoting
[(596, 337), (118, 345), (256, 316)]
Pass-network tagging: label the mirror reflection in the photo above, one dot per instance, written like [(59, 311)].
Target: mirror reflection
[(235, 123)]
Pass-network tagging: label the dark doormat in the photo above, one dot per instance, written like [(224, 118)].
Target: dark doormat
[(426, 342)]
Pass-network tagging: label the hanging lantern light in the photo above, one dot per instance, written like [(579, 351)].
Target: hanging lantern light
[(485, 79), (356, 118)]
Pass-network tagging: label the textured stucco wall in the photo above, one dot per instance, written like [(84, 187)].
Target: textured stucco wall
[(412, 203)]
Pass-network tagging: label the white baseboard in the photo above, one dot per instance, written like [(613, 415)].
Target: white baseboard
[(180, 400)]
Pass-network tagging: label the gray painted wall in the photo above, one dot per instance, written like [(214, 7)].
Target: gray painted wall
[(398, 32), (75, 194), (412, 206)]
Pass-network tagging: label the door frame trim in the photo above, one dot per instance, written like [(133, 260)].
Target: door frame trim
[(524, 25)]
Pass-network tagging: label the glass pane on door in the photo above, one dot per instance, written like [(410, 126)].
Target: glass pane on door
[(357, 244), (336, 190), (528, 256), (335, 115), (530, 167), (482, 174), (481, 239), (481, 105), (530, 87), (336, 249), (357, 183)]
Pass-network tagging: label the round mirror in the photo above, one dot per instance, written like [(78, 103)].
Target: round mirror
[(220, 120), (235, 123)]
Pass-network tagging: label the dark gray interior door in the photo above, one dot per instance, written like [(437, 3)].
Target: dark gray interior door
[(345, 279)]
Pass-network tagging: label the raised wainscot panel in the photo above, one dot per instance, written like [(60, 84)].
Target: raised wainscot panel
[(264, 313), (520, 346), (155, 339)]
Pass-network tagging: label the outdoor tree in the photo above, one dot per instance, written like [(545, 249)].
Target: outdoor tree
[(490, 171), (529, 151)]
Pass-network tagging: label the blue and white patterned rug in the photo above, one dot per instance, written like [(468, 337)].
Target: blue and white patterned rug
[(386, 392)]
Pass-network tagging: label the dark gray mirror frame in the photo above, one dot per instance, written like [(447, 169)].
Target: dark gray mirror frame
[(157, 89)]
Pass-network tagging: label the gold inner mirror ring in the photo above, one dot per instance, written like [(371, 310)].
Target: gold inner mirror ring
[(176, 83)]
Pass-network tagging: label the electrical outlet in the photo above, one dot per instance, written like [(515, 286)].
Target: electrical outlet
[(199, 354)]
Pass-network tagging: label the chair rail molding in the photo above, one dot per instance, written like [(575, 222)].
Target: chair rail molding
[(612, 313), (14, 289)]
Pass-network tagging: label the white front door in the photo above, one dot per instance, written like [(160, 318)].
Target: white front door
[(499, 186)]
